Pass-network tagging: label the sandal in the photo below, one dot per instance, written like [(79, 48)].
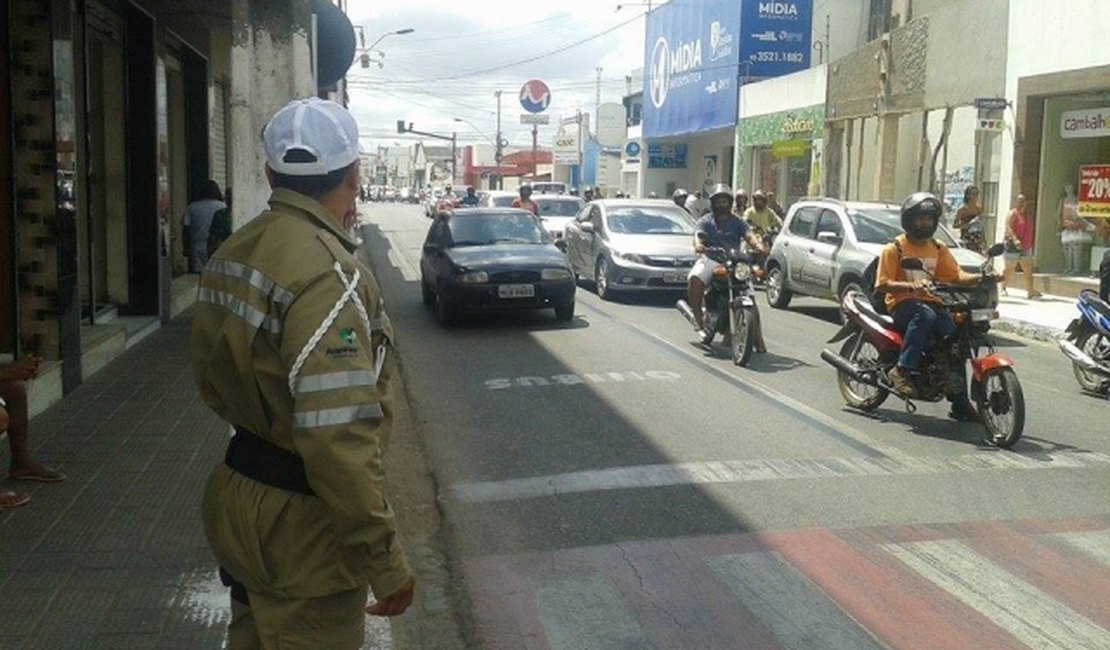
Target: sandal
[(9, 499), (40, 473), (1035, 295)]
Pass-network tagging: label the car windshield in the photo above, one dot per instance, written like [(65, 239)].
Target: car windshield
[(882, 225), (485, 228), (558, 207), (649, 221)]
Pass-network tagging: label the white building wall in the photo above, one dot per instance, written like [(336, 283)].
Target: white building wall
[(843, 23), (798, 90), (1078, 40)]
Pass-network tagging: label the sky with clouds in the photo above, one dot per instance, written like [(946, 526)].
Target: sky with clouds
[(462, 52)]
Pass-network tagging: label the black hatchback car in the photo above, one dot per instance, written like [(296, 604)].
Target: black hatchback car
[(493, 259)]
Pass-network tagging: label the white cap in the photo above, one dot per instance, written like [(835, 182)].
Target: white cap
[(320, 127)]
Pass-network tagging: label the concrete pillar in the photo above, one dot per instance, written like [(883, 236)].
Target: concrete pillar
[(885, 179), (271, 64)]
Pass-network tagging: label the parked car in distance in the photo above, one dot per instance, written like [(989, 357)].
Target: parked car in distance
[(548, 187), (631, 244), (493, 259), (826, 244), (499, 199), (556, 211)]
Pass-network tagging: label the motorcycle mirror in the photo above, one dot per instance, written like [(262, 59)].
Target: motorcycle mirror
[(912, 264), (996, 250)]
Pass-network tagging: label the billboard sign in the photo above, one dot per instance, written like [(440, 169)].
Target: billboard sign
[(612, 125), (565, 149), (691, 51), (667, 156), (535, 96), (1087, 123), (775, 37)]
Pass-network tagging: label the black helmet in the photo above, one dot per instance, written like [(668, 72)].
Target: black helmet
[(525, 190), (916, 205)]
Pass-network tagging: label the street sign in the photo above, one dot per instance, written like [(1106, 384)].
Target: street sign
[(991, 103), (530, 118), (992, 125), (535, 96)]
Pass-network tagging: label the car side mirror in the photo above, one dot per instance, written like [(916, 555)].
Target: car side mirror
[(587, 226), (829, 237), (912, 264), (996, 250)]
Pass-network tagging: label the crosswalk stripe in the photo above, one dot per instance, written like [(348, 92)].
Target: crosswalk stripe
[(798, 614), (586, 613), (1014, 605), (1094, 543), (743, 471)]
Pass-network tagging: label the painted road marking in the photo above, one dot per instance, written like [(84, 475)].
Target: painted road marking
[(1013, 604), (578, 379), (748, 471), (586, 612), (1093, 543), (798, 614)]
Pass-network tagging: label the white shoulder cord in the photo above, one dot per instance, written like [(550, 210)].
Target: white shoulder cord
[(351, 293)]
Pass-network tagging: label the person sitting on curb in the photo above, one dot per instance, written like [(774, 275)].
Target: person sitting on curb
[(14, 419)]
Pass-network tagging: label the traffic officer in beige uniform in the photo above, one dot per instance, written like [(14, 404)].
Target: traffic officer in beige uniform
[(292, 346)]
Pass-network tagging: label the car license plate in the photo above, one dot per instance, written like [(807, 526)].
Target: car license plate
[(516, 291), (674, 278)]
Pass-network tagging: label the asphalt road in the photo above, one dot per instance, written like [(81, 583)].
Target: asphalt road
[(610, 484)]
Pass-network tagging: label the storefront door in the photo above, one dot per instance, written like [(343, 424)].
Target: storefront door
[(102, 234), (8, 313)]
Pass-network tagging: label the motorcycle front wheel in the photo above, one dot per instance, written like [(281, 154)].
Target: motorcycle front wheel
[(741, 343), (1001, 404), (1093, 345), (858, 395)]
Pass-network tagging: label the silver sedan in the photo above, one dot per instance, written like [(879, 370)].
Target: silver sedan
[(631, 244)]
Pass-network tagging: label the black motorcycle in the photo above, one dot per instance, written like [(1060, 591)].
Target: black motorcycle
[(729, 308)]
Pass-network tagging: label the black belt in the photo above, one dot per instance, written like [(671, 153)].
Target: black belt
[(263, 461)]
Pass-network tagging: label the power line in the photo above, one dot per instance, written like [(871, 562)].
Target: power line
[(522, 61)]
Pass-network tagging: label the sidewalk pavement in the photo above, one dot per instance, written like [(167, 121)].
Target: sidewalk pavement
[(1042, 319)]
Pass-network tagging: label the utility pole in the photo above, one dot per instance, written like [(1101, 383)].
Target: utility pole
[(454, 158), (498, 153), (535, 163), (597, 99)]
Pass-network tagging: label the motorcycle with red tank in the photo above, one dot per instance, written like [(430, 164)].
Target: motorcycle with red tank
[(872, 345)]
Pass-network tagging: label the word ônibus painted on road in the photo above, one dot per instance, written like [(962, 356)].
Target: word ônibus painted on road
[(583, 378)]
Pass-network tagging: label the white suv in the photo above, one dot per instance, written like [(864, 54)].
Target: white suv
[(826, 244)]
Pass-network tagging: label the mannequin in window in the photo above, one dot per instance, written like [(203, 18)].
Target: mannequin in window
[(1075, 234)]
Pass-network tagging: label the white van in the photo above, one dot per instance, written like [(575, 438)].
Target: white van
[(548, 187)]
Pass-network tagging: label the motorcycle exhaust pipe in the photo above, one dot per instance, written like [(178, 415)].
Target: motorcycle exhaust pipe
[(685, 309), (1087, 363), (845, 366)]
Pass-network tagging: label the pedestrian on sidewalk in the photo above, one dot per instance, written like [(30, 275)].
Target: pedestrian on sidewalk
[(292, 346), (14, 419), (968, 221), (198, 221), (1019, 247)]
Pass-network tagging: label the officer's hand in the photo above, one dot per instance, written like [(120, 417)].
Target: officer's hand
[(395, 603)]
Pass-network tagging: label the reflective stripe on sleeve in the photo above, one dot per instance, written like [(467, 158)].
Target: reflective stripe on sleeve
[(335, 380), (256, 278), (240, 308), (332, 417)]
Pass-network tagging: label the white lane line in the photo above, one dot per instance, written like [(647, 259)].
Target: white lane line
[(1016, 606), (399, 256), (586, 612), (798, 613), (1093, 543), (749, 471)]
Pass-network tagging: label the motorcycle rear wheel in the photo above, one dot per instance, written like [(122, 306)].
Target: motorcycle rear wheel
[(858, 395), (741, 343), (1001, 405), (1090, 342)]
